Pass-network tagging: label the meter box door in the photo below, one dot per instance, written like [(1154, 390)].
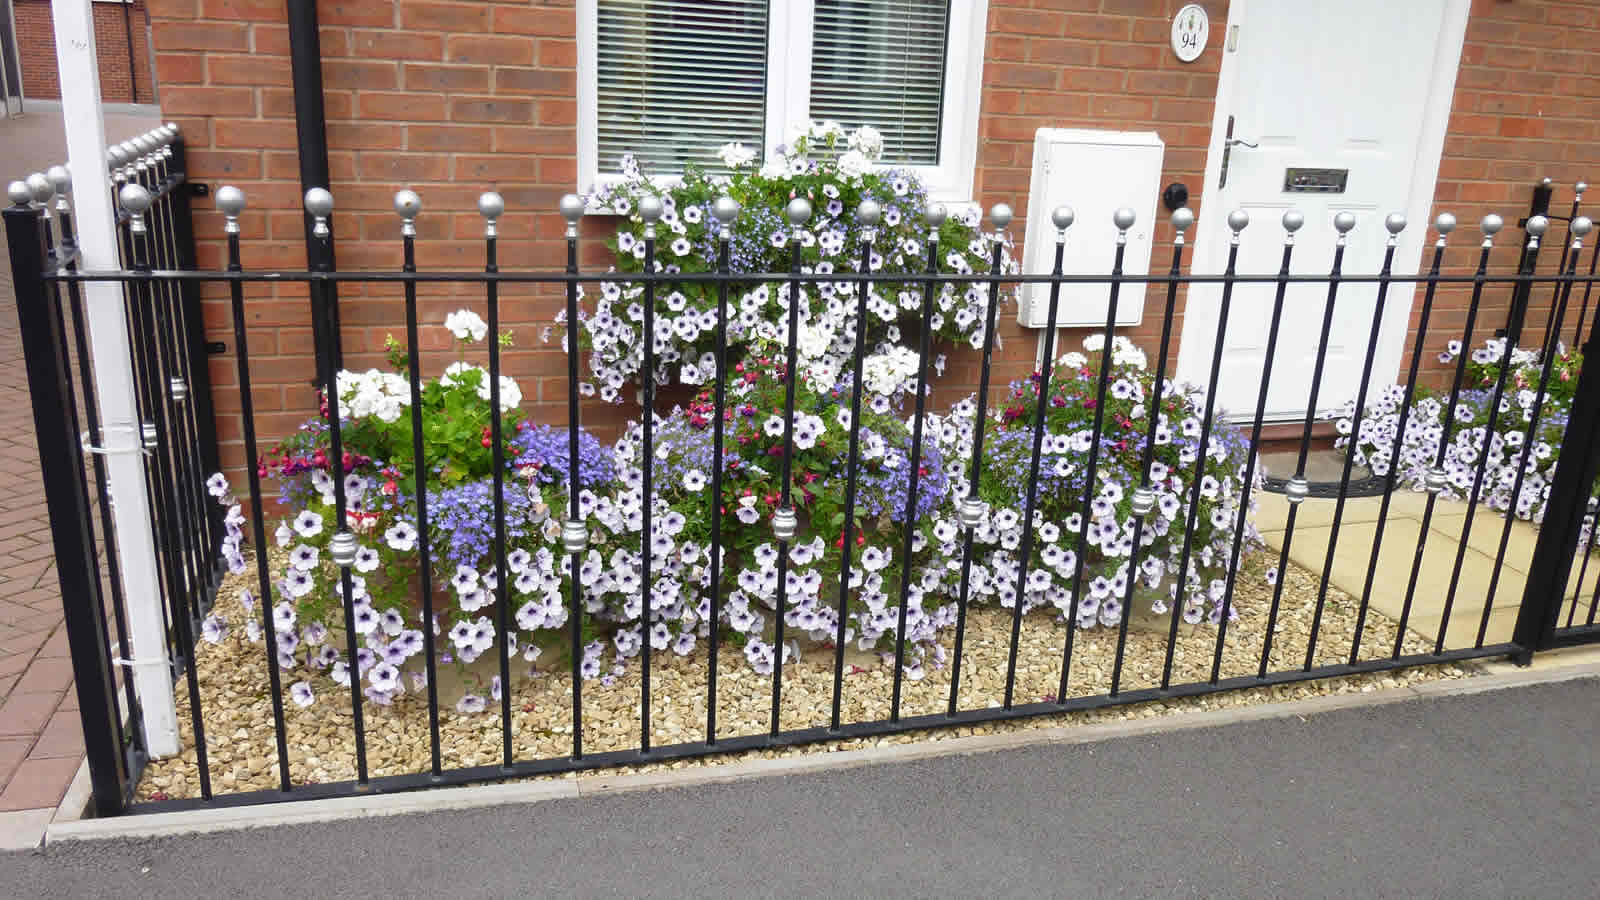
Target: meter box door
[(1095, 173)]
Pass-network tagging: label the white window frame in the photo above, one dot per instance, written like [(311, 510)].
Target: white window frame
[(789, 87)]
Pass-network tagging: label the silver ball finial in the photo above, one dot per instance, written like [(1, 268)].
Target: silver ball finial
[(1491, 225), (319, 202), (1123, 218), (1444, 224), (491, 206), (1000, 216), (135, 199), (935, 215), (40, 186), (651, 209), (1182, 219), (407, 204), (1395, 222), (1344, 221), (19, 193), (798, 211), (1545, 181), (1580, 187), (230, 200), (572, 207), (60, 179), (726, 209), (1538, 225), (869, 213), (1062, 217), (1581, 226), (1293, 220), (1238, 220)]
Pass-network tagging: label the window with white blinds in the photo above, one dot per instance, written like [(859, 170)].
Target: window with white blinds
[(678, 78), (670, 81), (882, 63)]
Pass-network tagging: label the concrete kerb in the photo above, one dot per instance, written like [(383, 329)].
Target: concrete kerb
[(478, 796)]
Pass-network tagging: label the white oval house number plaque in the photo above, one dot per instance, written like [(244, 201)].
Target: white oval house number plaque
[(1190, 28)]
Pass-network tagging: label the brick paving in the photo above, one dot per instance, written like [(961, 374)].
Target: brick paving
[(41, 740)]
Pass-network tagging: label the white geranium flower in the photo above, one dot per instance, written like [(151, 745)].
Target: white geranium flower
[(466, 325)]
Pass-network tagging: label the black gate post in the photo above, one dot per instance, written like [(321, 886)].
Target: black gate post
[(1563, 517), (311, 128), (71, 534)]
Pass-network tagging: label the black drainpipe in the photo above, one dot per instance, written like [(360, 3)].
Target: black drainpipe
[(310, 122)]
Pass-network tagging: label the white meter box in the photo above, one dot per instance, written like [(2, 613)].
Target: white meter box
[(1095, 173)]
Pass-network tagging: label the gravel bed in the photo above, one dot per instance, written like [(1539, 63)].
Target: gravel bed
[(238, 710)]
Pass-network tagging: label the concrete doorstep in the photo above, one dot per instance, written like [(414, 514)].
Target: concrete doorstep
[(68, 823)]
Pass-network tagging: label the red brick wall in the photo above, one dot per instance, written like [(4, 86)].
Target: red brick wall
[(1527, 106), (36, 40), (454, 98)]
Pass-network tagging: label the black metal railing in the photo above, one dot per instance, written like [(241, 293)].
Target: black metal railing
[(175, 432), (1172, 502)]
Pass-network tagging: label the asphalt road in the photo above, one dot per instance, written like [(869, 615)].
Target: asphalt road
[(1492, 795)]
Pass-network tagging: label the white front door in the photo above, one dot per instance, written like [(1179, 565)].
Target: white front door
[(1359, 89)]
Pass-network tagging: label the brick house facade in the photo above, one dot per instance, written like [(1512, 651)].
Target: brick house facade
[(125, 75), (451, 99)]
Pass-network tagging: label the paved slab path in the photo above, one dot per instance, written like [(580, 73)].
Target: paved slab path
[(1487, 795)]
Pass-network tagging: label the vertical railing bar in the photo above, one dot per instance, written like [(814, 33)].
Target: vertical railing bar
[(868, 214), (1588, 287), (1434, 480), (650, 210), (1144, 497), (189, 509), (971, 511), (1445, 224), (1292, 221), (1529, 261), (497, 461), (1583, 570), (146, 376), (784, 523), (1295, 489), (1552, 329), (207, 534), (61, 181), (137, 200), (188, 514), (574, 534), (84, 513), (232, 201), (1395, 223), (1123, 219), (1061, 217), (934, 218), (419, 467), (342, 546), (70, 534), (1237, 221), (726, 210), (1577, 229)]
